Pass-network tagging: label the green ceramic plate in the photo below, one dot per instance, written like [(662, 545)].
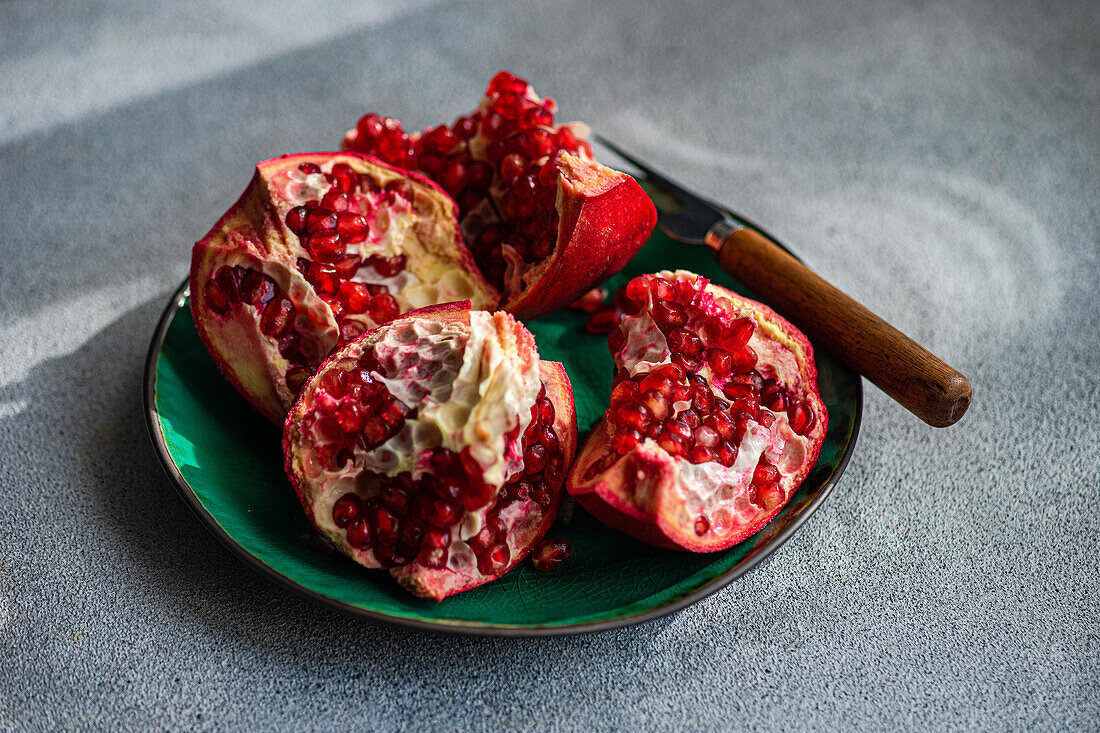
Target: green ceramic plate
[(227, 463)]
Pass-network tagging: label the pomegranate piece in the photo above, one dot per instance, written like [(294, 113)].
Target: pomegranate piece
[(321, 248), (544, 220), (435, 446), (715, 417), (549, 554)]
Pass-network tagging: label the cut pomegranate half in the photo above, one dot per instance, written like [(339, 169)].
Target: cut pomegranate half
[(320, 248), (436, 446), (544, 220), (715, 416)]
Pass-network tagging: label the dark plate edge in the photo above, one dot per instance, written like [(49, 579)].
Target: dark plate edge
[(754, 558)]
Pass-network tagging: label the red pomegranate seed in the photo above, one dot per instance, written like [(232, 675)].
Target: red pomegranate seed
[(296, 219), (604, 320), (548, 439), (433, 550), (564, 139), (505, 81), (325, 245), (668, 316), (679, 428), (535, 458), (701, 454), (624, 391), (765, 473), (624, 440), (656, 403), (256, 288), (672, 443), (344, 178), (278, 318), (385, 525), (494, 560), (441, 513), (742, 360), (721, 423), (720, 362), (396, 499), (349, 417), (739, 332), (324, 278), (726, 454), (384, 308), (691, 418), (702, 399), (688, 362), (439, 139), (335, 201), (346, 266), (479, 176), (511, 168), (685, 341), (388, 266), (359, 534), (765, 418), (634, 296), (319, 220), (352, 228), (345, 509), (770, 496), (540, 494), (801, 418), (465, 127), (706, 436), (333, 383), (453, 175), (634, 416), (702, 526), (662, 289), (309, 168), (549, 554), (355, 297)]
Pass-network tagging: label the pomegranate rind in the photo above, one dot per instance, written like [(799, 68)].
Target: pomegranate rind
[(604, 218), (425, 582), (641, 495), (253, 234)]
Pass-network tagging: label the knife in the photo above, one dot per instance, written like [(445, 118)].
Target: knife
[(919, 380)]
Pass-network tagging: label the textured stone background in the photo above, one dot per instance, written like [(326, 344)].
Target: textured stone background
[(940, 161)]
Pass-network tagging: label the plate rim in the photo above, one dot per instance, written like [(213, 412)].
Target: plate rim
[(156, 435)]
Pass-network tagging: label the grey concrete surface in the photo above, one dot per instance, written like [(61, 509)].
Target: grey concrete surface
[(938, 160)]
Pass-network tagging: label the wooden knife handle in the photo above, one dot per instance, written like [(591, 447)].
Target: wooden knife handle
[(922, 382)]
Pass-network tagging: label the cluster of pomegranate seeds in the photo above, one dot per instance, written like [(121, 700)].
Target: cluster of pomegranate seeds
[(326, 226), (549, 554), (235, 285), (358, 411), (513, 167), (417, 518), (700, 404)]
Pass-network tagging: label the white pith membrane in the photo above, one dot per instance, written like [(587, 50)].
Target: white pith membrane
[(470, 386), (711, 490)]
